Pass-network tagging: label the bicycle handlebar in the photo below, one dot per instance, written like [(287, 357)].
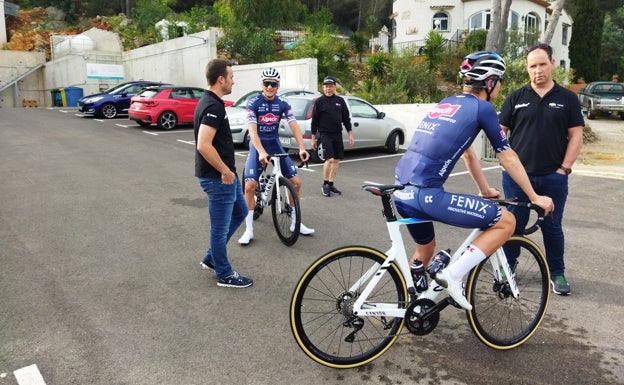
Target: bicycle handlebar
[(514, 202)]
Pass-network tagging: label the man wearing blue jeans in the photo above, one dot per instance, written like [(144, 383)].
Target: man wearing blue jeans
[(544, 124), (216, 171)]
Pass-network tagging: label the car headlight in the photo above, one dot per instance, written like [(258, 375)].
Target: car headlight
[(237, 121), (93, 100)]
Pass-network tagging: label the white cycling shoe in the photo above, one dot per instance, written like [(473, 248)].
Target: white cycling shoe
[(246, 237), (303, 229), (454, 288)]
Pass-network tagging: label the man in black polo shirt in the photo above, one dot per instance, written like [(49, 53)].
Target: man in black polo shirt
[(216, 172), (544, 123), (330, 114)]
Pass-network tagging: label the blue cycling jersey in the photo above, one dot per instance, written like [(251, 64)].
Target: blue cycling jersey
[(266, 114), (442, 137), (439, 141)]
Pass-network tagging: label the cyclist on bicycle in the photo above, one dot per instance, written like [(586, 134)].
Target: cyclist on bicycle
[(445, 134), (263, 117)]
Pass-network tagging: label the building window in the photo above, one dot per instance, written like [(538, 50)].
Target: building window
[(564, 34), (479, 20), (441, 21), (562, 64)]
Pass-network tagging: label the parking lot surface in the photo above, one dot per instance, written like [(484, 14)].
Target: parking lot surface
[(102, 226)]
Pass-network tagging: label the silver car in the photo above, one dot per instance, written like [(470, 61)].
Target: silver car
[(237, 114), (371, 128)]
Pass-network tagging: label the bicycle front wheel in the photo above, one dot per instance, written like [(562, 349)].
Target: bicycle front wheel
[(286, 211), (321, 309), (497, 318)]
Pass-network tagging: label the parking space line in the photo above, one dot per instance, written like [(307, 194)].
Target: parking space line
[(29, 375), (156, 133)]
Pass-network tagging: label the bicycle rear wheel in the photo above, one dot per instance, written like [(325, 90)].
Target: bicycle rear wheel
[(321, 309), (284, 208), (497, 318)]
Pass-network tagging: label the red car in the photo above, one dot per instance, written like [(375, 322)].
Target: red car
[(165, 106)]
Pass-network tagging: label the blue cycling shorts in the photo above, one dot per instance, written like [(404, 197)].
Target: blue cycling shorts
[(435, 204), (253, 167)]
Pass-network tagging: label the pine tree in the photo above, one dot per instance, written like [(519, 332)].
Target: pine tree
[(586, 37)]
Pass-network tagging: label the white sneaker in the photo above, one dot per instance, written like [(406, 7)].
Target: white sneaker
[(246, 238), (303, 230), (454, 288)]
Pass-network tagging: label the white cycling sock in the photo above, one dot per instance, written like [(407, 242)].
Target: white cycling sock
[(249, 220), (469, 259)]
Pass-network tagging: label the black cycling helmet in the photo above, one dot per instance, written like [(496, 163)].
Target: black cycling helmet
[(481, 65), (270, 73)]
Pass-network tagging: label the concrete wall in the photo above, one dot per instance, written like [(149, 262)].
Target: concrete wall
[(13, 64), (179, 61)]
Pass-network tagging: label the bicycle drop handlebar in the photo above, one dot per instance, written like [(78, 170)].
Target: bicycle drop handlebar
[(387, 190), (514, 202)]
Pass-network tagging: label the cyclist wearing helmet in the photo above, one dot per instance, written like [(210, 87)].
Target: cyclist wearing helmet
[(445, 134), (263, 117)]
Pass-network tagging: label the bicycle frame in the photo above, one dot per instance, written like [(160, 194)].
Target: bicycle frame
[(397, 255)]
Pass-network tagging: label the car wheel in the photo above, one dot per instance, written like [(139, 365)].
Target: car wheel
[(167, 120), (109, 111), (621, 115), (316, 156), (590, 114), (246, 139), (393, 143)]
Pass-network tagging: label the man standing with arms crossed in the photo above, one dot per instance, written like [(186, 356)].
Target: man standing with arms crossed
[(216, 171), (544, 124), (330, 114)]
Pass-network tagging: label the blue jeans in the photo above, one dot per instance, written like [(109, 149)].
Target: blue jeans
[(227, 209), (556, 187)]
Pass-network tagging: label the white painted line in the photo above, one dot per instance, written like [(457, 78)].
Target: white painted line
[(29, 375), (99, 120), (150, 133), (122, 125), (186, 142)]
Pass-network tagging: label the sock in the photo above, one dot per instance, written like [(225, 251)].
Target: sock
[(469, 259), (249, 221), (325, 181), (330, 183)]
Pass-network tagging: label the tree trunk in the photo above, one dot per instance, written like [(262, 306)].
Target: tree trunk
[(552, 23), (506, 6), (493, 36)]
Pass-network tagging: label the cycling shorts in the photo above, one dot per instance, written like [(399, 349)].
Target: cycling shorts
[(253, 167), (435, 204)]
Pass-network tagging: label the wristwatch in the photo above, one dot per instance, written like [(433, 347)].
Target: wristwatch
[(565, 169)]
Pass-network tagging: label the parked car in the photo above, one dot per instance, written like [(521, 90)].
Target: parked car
[(166, 106), (113, 101), (238, 117), (602, 98), (371, 127)]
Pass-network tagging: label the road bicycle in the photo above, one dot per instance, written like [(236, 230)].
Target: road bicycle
[(276, 191), (351, 304)]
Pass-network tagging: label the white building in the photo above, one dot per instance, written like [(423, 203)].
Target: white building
[(413, 19)]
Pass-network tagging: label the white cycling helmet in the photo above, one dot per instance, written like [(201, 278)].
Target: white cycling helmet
[(480, 65), (270, 73)]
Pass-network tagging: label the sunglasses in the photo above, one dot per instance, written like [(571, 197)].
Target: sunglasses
[(500, 80), (270, 84)]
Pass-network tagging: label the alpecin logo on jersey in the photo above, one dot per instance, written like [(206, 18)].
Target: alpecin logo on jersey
[(445, 109), (269, 119)]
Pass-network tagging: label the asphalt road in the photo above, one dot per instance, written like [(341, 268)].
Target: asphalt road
[(102, 226)]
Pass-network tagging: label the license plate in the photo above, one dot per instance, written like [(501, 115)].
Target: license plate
[(285, 141)]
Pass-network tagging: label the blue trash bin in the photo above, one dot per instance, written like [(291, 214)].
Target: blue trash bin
[(72, 95)]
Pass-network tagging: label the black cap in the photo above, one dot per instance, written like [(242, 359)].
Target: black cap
[(329, 80)]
